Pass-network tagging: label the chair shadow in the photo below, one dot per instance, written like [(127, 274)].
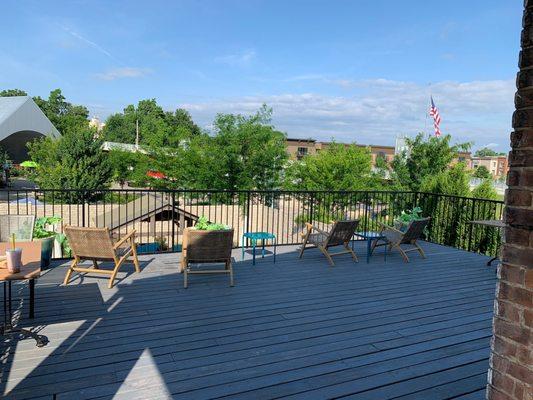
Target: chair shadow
[(98, 317), (128, 268)]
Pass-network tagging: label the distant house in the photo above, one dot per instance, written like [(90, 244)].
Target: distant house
[(498, 166), (21, 121), (299, 148)]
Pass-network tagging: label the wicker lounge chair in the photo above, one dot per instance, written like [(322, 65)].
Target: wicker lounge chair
[(202, 247), (395, 238), (340, 235), (21, 225), (95, 244)]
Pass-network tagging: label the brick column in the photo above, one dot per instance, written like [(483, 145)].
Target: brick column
[(511, 363)]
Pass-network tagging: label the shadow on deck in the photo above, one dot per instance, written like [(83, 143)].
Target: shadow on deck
[(296, 328)]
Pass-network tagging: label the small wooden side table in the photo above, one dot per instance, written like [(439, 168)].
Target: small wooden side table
[(29, 271)]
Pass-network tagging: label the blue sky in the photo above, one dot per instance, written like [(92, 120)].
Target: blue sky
[(348, 70)]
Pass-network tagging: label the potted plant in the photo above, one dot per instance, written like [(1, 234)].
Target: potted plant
[(206, 242), (44, 231), (406, 217)]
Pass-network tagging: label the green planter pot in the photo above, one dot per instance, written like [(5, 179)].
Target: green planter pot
[(47, 247)]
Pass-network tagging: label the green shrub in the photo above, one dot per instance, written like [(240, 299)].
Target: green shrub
[(204, 225)]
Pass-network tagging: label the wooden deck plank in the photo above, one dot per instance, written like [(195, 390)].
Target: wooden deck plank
[(288, 328)]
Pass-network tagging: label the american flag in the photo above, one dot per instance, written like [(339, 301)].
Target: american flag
[(434, 112)]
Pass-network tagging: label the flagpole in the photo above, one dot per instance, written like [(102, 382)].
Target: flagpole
[(426, 111)]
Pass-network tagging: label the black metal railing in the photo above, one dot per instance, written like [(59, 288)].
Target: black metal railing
[(159, 216)]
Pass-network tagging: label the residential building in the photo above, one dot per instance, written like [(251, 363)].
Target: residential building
[(497, 165), (298, 148)]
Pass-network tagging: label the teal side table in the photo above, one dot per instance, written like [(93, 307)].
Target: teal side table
[(254, 237)]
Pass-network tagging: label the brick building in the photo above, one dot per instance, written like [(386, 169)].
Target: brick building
[(496, 165), (298, 148)]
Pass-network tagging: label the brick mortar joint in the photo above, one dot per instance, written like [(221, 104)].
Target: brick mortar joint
[(520, 285)]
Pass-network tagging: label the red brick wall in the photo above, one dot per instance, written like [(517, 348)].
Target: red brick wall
[(511, 364)]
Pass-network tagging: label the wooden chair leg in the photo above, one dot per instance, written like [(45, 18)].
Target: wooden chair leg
[(303, 246), (352, 253), (118, 264), (325, 252), (419, 249), (374, 245), (403, 253), (230, 267), (135, 258), (70, 270)]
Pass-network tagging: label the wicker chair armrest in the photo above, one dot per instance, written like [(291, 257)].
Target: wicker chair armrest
[(129, 236), (310, 228), (320, 230)]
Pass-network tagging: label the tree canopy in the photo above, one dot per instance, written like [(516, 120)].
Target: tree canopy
[(482, 172), (487, 152), (426, 157), (452, 181), (74, 161), (338, 167), (158, 128), (66, 117), (12, 93), (244, 152)]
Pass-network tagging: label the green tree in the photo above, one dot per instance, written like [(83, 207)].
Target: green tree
[(127, 166), (74, 161), (12, 92), (245, 152), (451, 181), (482, 172), (486, 152), (425, 158), (157, 128), (66, 117), (485, 190), (336, 168)]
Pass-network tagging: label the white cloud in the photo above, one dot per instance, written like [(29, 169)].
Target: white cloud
[(123, 72), (380, 109), (242, 59)]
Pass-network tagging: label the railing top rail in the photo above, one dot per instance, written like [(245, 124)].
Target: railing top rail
[(276, 191), (451, 196)]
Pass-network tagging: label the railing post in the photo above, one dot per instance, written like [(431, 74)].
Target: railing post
[(173, 219), (367, 204), (83, 209), (248, 194), (416, 200), (311, 207), (471, 225)]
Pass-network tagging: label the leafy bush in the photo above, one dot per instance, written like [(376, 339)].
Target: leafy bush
[(40, 231), (410, 215), (162, 243), (204, 225)]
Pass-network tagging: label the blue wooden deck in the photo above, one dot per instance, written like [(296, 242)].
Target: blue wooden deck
[(296, 329)]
